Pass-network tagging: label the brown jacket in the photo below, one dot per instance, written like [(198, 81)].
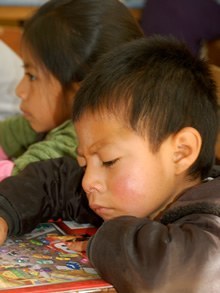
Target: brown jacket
[(180, 253)]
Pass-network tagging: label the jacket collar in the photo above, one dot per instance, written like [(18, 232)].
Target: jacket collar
[(201, 199)]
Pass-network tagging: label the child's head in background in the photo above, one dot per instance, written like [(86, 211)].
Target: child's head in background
[(61, 43), (146, 124)]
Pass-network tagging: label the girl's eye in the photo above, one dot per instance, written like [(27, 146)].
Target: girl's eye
[(109, 163), (31, 76)]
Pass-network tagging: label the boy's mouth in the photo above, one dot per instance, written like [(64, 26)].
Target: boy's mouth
[(103, 212)]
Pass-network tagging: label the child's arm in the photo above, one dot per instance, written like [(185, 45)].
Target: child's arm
[(139, 255), (44, 190), (57, 143), (16, 135), (3, 230), (80, 246)]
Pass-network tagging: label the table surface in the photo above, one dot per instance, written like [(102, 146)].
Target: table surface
[(15, 13)]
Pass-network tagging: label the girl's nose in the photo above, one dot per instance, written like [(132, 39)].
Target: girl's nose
[(22, 89)]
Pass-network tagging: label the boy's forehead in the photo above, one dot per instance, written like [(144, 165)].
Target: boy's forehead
[(101, 115), (94, 121), (97, 131)]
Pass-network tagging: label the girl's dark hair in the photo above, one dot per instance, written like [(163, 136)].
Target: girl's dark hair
[(157, 88), (68, 36)]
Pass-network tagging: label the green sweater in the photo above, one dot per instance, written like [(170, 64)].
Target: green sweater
[(22, 144)]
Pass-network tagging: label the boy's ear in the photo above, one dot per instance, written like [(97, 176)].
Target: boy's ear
[(187, 146)]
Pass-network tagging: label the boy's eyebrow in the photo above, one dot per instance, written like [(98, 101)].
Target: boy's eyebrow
[(93, 149)]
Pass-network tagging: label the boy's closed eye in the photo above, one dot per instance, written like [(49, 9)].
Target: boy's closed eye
[(110, 163), (104, 163)]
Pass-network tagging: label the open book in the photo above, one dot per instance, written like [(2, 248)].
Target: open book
[(41, 262)]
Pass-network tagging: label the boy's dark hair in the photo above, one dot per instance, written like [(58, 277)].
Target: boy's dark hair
[(157, 87), (68, 36)]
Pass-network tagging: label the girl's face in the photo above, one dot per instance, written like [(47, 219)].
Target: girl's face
[(42, 100), (122, 175)]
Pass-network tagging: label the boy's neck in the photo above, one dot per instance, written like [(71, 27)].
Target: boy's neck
[(179, 192)]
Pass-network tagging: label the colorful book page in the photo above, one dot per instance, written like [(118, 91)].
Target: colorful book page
[(41, 262)]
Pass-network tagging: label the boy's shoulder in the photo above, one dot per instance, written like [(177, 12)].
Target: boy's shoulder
[(203, 198)]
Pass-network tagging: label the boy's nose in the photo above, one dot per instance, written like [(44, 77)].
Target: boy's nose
[(91, 182)]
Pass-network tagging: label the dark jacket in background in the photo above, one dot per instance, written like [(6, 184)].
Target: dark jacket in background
[(192, 21), (44, 190)]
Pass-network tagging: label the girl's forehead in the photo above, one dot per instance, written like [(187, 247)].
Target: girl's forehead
[(33, 63), (29, 61), (30, 58), (26, 51)]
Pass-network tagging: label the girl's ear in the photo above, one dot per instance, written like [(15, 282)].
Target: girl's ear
[(75, 86), (187, 146)]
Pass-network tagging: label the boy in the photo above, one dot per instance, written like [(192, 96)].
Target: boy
[(146, 124)]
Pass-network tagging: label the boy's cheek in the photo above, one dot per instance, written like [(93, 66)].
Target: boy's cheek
[(125, 186)]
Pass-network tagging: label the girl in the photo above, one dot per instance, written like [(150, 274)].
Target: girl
[(60, 44)]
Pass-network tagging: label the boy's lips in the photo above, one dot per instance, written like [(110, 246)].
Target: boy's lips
[(95, 207), (100, 210)]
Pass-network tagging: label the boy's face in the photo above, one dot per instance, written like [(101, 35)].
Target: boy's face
[(122, 175)]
